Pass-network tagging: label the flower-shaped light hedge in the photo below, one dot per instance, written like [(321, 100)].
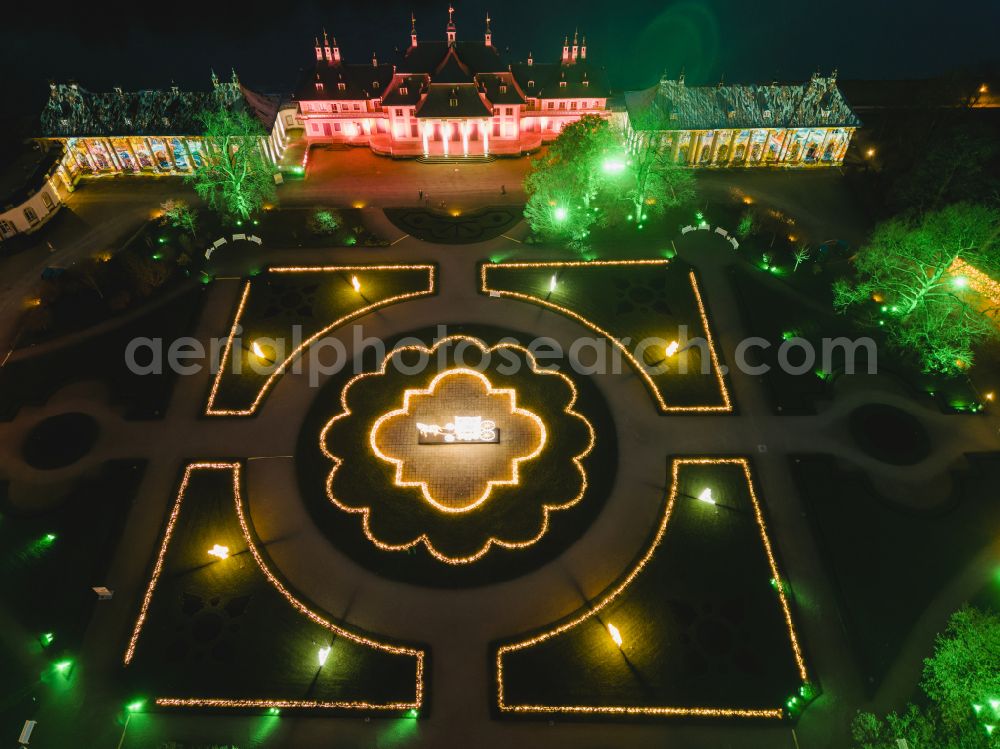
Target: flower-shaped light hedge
[(457, 500)]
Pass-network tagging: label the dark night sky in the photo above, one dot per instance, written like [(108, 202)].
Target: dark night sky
[(139, 45)]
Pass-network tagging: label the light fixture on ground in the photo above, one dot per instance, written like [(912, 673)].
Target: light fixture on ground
[(615, 634), (356, 284), (323, 654), (222, 552), (706, 496), (671, 349), (552, 283)]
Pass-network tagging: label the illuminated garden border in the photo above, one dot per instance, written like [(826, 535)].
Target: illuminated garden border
[(279, 369), (432, 550), (620, 587), (726, 406), (430, 390), (236, 470)]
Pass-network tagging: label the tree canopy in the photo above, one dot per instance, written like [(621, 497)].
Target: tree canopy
[(909, 269), (962, 683), (236, 178), (657, 182)]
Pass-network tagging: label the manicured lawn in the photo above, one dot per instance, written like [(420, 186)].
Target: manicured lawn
[(284, 309), (653, 302), (542, 479), (887, 561), (775, 312), (702, 624), (35, 379), (216, 628), (51, 560)]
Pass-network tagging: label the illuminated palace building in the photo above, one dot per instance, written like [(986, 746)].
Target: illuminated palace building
[(448, 97), (744, 125)]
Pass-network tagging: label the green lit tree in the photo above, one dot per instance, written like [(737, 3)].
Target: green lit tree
[(657, 182), (962, 683), (181, 216), (925, 307), (236, 177), (564, 183)]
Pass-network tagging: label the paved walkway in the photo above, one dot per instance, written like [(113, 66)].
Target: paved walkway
[(458, 624)]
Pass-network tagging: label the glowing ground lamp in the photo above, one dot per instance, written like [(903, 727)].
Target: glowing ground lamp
[(323, 655), (671, 349), (135, 706), (46, 638), (222, 552), (63, 667), (259, 351), (960, 282), (356, 284), (615, 634), (552, 283), (273, 711), (706, 496)]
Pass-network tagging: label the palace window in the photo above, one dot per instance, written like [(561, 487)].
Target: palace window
[(29, 213), (357, 107), (503, 88), (552, 105), (586, 84), (403, 90), (452, 102), (572, 105), (510, 111), (341, 86), (375, 84), (562, 84), (399, 112), (562, 105), (767, 114), (319, 86), (673, 115)]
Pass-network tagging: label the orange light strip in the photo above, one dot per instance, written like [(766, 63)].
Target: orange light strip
[(624, 584), (236, 471), (429, 390), (726, 406), (210, 409), (979, 282), (432, 550)]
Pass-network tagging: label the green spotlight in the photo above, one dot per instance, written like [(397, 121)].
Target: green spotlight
[(46, 639), (613, 166), (135, 705), (560, 213)]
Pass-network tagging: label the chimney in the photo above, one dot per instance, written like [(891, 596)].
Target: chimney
[(565, 57), (319, 50), (531, 60), (326, 48), (374, 60), (583, 48), (336, 51), (413, 30), (576, 46), (489, 34)]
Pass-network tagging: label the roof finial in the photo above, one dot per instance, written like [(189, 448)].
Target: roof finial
[(576, 37), (451, 14), (413, 22), (487, 22), (326, 39)]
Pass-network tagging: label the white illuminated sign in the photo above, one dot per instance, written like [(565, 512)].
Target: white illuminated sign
[(473, 430)]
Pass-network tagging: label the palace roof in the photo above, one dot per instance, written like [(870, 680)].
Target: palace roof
[(543, 80), (428, 57), (73, 111), (344, 82), (414, 85), (499, 88), (446, 101), (673, 106)]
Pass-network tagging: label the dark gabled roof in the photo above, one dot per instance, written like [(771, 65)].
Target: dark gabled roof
[(360, 82), (426, 57), (73, 111), (673, 106), (413, 84), (583, 79), (451, 70), (499, 88), (468, 102)]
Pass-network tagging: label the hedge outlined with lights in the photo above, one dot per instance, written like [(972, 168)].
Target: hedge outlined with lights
[(261, 565), (796, 663), (725, 402), (547, 508), (278, 368)]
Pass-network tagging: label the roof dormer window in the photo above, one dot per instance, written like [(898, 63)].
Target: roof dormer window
[(586, 84), (341, 86), (824, 113), (673, 115), (503, 88), (562, 84), (453, 102), (319, 86), (375, 84), (767, 114), (531, 84), (731, 114), (403, 90)]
